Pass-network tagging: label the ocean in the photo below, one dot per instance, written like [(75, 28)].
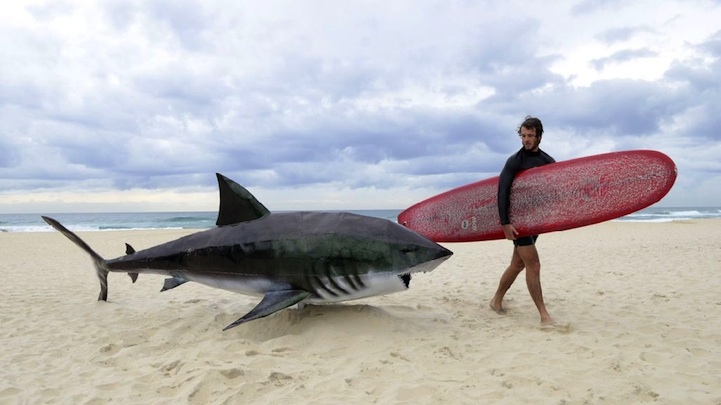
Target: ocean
[(115, 221), (123, 221)]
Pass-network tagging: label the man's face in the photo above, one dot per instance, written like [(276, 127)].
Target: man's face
[(529, 139)]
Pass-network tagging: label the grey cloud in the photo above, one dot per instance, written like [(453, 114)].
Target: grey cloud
[(176, 91), (619, 107), (622, 34), (712, 45), (590, 6), (702, 78), (622, 56), (10, 156), (703, 82)]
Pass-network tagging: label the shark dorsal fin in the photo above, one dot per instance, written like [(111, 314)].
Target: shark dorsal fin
[(237, 204)]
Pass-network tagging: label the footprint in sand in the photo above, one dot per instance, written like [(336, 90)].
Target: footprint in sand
[(557, 327)]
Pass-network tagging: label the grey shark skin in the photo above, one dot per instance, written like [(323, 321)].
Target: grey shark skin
[(287, 258)]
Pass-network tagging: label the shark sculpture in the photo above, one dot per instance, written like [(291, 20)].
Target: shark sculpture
[(287, 258)]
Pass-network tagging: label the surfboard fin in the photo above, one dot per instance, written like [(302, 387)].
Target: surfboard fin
[(272, 302)]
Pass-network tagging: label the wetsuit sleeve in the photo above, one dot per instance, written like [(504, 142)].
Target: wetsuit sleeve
[(505, 180)]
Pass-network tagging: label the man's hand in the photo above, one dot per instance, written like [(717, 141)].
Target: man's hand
[(510, 232)]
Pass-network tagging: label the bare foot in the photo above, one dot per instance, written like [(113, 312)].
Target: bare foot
[(547, 321), (497, 308)]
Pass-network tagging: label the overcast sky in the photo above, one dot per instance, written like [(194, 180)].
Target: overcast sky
[(134, 105)]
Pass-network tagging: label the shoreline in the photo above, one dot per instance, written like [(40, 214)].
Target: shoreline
[(48, 229), (147, 221), (637, 302)]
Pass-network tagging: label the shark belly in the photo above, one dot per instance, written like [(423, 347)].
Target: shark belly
[(321, 289), (250, 285)]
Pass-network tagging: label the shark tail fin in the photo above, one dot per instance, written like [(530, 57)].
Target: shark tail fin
[(98, 261)]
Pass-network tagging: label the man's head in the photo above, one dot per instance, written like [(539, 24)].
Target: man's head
[(531, 131)]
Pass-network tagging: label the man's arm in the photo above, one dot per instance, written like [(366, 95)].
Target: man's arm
[(505, 180)]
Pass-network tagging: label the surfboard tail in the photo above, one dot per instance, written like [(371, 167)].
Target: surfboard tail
[(99, 263)]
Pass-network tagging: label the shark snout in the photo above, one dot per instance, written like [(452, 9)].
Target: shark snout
[(429, 265), (444, 253), (434, 256), (437, 251)]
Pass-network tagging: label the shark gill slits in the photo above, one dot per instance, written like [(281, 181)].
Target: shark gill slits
[(333, 283), (358, 280), (319, 283), (349, 281)]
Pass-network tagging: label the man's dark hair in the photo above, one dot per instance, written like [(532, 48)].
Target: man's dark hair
[(532, 123)]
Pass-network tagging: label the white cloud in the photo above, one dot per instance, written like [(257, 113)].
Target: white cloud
[(339, 105)]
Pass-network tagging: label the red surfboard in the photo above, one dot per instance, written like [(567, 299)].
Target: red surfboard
[(554, 197)]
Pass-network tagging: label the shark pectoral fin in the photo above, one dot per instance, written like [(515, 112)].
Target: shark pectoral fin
[(172, 282), (272, 302), (133, 276)]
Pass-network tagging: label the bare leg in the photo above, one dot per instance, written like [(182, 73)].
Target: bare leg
[(532, 263), (507, 279)]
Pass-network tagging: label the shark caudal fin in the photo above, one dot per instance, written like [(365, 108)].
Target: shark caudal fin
[(98, 261)]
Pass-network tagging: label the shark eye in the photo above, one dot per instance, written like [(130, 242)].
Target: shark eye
[(409, 249)]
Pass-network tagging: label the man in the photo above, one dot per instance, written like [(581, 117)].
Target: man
[(525, 255)]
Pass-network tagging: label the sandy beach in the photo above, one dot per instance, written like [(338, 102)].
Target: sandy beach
[(638, 309)]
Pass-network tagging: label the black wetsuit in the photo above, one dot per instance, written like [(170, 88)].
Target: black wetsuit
[(519, 161)]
